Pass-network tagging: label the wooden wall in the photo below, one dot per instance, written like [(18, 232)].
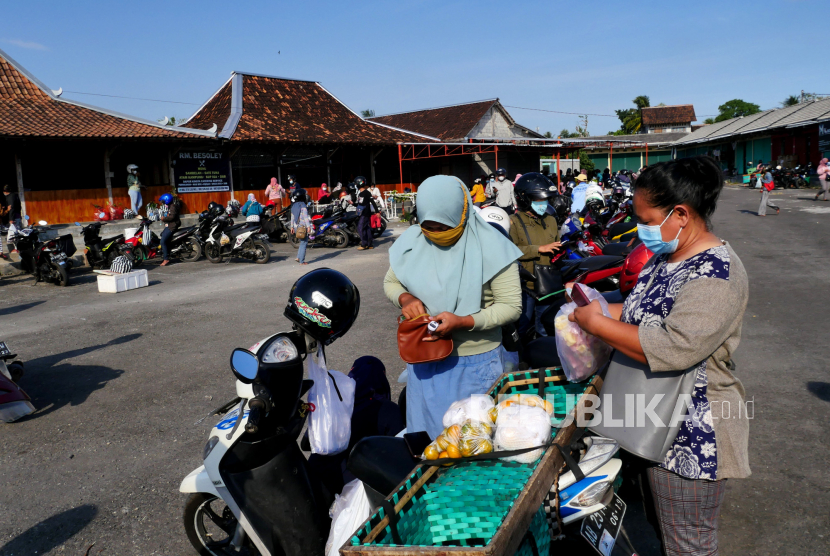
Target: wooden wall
[(76, 205)]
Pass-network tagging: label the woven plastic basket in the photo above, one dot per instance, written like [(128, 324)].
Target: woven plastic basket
[(465, 504)]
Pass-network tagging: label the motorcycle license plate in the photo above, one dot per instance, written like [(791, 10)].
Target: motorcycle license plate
[(600, 529), (4, 350)]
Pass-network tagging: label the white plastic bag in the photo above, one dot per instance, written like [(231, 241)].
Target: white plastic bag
[(522, 426), (349, 511), (580, 353), (474, 408), (330, 426)]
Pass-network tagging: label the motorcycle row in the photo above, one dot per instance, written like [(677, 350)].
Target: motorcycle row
[(48, 257), (783, 177)]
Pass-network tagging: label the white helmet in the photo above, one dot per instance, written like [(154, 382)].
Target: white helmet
[(497, 216), (131, 168)]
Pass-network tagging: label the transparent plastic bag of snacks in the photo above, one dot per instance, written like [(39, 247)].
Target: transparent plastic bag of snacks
[(581, 354), (519, 427), (476, 408)]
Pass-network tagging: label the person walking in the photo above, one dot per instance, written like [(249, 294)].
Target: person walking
[(377, 195), (536, 234), (477, 193), (13, 214), (685, 315), (274, 193), (302, 223), (823, 172), (134, 188), (4, 221), (366, 206), (503, 190), (172, 222), (460, 270), (768, 185)]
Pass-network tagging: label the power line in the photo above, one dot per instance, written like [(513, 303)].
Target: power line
[(582, 113), (132, 98)]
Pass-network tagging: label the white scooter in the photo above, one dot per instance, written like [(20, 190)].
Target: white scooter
[(14, 402)]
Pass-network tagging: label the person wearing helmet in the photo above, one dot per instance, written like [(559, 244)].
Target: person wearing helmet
[(171, 224), (462, 272), (134, 188), (536, 236), (366, 207), (503, 191), (477, 193)]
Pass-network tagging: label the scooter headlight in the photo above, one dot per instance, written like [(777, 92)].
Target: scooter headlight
[(592, 495), (281, 350), (211, 444)]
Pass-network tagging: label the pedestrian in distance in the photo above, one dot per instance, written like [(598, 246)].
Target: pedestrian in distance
[(823, 172), (300, 225), (274, 193), (134, 187), (477, 193), (172, 222), (503, 191), (366, 206), (768, 185), (12, 215), (459, 269)]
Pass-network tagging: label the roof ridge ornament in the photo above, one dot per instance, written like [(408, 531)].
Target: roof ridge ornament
[(57, 93)]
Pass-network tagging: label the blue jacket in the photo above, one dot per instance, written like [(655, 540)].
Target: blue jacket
[(251, 208)]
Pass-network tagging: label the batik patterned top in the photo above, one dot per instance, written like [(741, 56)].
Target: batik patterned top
[(694, 453)]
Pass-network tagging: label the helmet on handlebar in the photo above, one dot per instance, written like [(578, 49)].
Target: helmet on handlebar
[(215, 209), (324, 304), (167, 198), (533, 186), (632, 266)]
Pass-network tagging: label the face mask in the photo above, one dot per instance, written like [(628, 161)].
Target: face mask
[(539, 207), (501, 178), (653, 238)]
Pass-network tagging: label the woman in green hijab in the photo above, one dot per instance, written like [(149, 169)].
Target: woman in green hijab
[(462, 272)]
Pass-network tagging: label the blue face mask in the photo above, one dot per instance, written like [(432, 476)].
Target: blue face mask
[(539, 207), (652, 237)]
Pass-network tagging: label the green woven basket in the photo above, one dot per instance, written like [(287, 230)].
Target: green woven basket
[(464, 505)]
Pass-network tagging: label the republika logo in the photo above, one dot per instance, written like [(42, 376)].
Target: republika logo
[(312, 314)]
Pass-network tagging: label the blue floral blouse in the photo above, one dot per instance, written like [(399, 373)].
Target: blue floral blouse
[(693, 454)]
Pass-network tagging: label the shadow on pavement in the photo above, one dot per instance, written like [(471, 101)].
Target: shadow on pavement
[(52, 384), (19, 308), (51, 532), (821, 390), (327, 256)]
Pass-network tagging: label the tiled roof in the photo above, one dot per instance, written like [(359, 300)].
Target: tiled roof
[(29, 109), (669, 114), (450, 123), (649, 138), (276, 109)]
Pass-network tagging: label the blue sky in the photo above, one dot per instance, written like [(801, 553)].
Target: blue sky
[(395, 56)]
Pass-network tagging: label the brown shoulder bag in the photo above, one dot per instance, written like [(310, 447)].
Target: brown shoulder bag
[(412, 347)]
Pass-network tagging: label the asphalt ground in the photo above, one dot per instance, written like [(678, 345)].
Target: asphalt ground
[(122, 381)]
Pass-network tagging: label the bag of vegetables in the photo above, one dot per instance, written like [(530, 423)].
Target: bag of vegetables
[(580, 353)]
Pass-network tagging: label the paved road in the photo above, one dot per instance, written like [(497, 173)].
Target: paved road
[(120, 381)]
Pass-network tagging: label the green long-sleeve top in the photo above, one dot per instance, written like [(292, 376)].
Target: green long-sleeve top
[(501, 304), (539, 235)]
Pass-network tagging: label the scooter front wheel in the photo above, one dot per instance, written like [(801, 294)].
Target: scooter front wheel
[(210, 526), (60, 275)]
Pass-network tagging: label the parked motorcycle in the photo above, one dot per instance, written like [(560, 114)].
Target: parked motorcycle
[(101, 252), (245, 240), (327, 232), (14, 402), (43, 254), (186, 243)]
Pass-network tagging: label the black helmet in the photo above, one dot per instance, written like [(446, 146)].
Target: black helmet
[(561, 205), (359, 182), (324, 304), (298, 195), (501, 172), (533, 186), (215, 209), (291, 179)]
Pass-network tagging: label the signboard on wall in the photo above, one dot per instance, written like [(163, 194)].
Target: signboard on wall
[(824, 137), (202, 172)]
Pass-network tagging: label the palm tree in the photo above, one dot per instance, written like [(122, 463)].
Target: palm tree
[(791, 100), (632, 118)]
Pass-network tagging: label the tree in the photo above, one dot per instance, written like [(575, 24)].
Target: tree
[(791, 100), (632, 118), (709, 121), (548, 135), (736, 108), (566, 134), (168, 120), (367, 113)]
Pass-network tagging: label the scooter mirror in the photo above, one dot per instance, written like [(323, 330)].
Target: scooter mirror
[(26, 217), (245, 365), (77, 223)]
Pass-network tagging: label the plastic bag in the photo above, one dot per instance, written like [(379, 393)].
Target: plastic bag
[(349, 511), (531, 400), (476, 408), (476, 438), (580, 353), (522, 426), (330, 426)]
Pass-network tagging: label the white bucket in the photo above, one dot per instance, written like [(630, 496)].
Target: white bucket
[(130, 232)]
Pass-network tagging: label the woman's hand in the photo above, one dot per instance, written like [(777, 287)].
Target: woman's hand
[(587, 317), (449, 322), (411, 306), (550, 247)]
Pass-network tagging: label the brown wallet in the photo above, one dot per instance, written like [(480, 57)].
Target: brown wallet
[(412, 347)]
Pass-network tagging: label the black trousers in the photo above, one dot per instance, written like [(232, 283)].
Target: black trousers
[(364, 229)]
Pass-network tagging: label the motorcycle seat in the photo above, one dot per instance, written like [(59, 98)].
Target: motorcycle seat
[(620, 249), (382, 462), (599, 262), (183, 232), (242, 228)]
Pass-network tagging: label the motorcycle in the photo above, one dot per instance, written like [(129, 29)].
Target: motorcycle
[(43, 254), (246, 240), (328, 232), (185, 244), (101, 252), (14, 402)]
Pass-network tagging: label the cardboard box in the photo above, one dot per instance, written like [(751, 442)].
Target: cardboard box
[(109, 282)]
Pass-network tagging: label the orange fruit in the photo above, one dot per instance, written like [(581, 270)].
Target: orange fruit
[(453, 451), (453, 434), (431, 452), (442, 442), (549, 407)]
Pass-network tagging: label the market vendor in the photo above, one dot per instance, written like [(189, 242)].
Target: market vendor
[(685, 314), (458, 269)]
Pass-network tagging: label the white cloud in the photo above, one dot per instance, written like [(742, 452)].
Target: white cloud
[(31, 45)]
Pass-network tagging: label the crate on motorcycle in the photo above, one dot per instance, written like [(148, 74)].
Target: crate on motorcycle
[(66, 243), (485, 507), (116, 283)]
